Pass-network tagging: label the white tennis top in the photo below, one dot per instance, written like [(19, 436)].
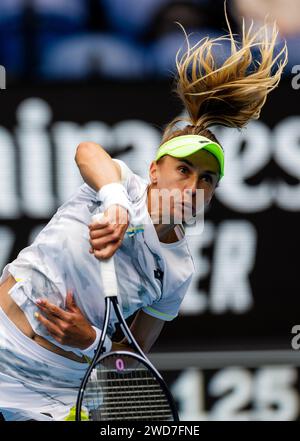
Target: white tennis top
[(152, 276)]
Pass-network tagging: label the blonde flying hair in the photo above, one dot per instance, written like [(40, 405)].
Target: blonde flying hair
[(231, 94)]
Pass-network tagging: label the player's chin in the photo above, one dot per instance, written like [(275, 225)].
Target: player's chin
[(181, 214)]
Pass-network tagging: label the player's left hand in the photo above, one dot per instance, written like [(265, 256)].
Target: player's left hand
[(67, 326)]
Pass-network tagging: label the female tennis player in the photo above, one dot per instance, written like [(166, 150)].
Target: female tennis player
[(51, 307)]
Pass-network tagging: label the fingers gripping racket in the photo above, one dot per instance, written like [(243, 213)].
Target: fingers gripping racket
[(122, 385)]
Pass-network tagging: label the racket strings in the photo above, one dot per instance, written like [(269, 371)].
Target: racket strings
[(125, 393)]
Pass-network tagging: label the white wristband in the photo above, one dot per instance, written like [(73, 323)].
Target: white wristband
[(115, 194), (90, 351)]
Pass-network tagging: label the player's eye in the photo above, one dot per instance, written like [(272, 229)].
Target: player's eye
[(183, 170), (207, 178)]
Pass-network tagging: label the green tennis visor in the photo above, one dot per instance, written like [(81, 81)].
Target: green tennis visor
[(186, 145)]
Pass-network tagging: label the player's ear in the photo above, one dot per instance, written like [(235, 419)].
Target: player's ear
[(153, 172)]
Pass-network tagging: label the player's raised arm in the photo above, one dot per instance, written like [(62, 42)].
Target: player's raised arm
[(103, 174), (96, 166)]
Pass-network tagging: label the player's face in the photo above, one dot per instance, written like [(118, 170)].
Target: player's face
[(199, 171)]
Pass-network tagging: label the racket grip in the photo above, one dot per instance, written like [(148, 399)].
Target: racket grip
[(107, 269)]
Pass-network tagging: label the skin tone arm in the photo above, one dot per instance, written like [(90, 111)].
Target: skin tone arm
[(71, 328), (96, 166), (146, 329), (97, 169)]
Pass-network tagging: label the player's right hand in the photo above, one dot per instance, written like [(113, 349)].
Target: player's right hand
[(106, 234)]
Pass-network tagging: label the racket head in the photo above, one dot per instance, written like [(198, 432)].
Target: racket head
[(124, 386)]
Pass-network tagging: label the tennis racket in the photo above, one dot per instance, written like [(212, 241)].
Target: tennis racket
[(122, 385)]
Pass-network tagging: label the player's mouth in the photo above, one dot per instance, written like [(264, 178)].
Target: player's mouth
[(188, 209)]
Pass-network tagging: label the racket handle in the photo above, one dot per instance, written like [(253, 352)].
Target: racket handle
[(107, 269)]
